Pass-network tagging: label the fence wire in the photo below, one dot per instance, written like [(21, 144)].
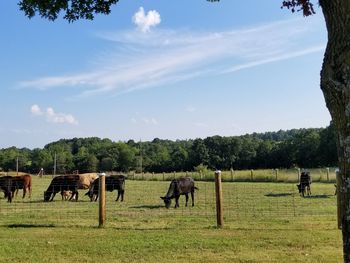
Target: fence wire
[(143, 206)]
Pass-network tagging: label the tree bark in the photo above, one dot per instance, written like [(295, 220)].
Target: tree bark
[(335, 84)]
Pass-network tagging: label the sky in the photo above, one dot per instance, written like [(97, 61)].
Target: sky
[(160, 69)]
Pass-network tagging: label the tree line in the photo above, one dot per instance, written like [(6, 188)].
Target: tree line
[(312, 147)]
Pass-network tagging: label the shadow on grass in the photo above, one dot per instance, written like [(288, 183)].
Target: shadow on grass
[(278, 194), (29, 225), (318, 196), (148, 206)]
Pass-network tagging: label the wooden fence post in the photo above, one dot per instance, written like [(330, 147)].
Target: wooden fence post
[(327, 174), (219, 206), (102, 199), (231, 174), (298, 175), (251, 175), (276, 171)]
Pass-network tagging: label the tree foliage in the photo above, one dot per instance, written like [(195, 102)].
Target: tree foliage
[(281, 149)]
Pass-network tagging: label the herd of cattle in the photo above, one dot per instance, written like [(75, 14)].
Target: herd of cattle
[(68, 186)]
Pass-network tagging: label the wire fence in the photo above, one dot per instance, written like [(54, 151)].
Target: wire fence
[(143, 206), (326, 175)]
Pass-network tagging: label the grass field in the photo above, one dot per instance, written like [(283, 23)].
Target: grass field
[(264, 222)]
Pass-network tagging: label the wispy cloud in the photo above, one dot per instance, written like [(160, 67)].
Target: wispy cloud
[(144, 121), (53, 117), (161, 57)]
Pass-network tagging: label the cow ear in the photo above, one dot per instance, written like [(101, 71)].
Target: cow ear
[(162, 197)]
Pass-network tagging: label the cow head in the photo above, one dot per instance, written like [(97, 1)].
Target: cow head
[(47, 195), (167, 201)]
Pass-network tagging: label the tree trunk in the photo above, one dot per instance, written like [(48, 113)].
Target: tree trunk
[(335, 84)]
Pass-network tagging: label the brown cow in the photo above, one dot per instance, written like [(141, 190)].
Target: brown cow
[(22, 182)]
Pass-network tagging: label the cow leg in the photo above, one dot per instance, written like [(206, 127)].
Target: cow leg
[(177, 201), (118, 196), (76, 195), (53, 195), (24, 192), (122, 195), (9, 197), (186, 199), (192, 197)]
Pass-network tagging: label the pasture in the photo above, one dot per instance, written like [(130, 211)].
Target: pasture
[(264, 222)]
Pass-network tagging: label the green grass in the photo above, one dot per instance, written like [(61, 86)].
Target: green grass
[(264, 222)]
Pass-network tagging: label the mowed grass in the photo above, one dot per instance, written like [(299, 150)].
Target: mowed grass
[(264, 222)]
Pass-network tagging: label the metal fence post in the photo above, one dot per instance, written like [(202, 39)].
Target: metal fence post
[(102, 199), (219, 206)]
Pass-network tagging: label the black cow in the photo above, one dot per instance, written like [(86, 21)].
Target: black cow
[(113, 182), (305, 184), (6, 187), (180, 186), (60, 184)]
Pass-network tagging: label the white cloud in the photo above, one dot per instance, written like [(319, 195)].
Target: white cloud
[(35, 110), (53, 117), (150, 121), (159, 58), (145, 22)]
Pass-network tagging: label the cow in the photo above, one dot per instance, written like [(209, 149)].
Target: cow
[(113, 182), (60, 184), (85, 180), (22, 182), (180, 186), (304, 184), (67, 195), (6, 187)]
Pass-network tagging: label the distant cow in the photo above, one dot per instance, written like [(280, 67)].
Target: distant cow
[(60, 184), (180, 186), (305, 184), (6, 186), (22, 182), (113, 182)]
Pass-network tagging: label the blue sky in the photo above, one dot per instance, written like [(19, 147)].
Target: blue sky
[(160, 69)]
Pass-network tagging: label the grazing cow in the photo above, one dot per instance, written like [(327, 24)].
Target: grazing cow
[(85, 180), (6, 187), (22, 182), (304, 184), (113, 182), (180, 186), (62, 183), (67, 195)]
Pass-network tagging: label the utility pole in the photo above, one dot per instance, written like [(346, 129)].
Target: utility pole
[(140, 157), (54, 165)]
